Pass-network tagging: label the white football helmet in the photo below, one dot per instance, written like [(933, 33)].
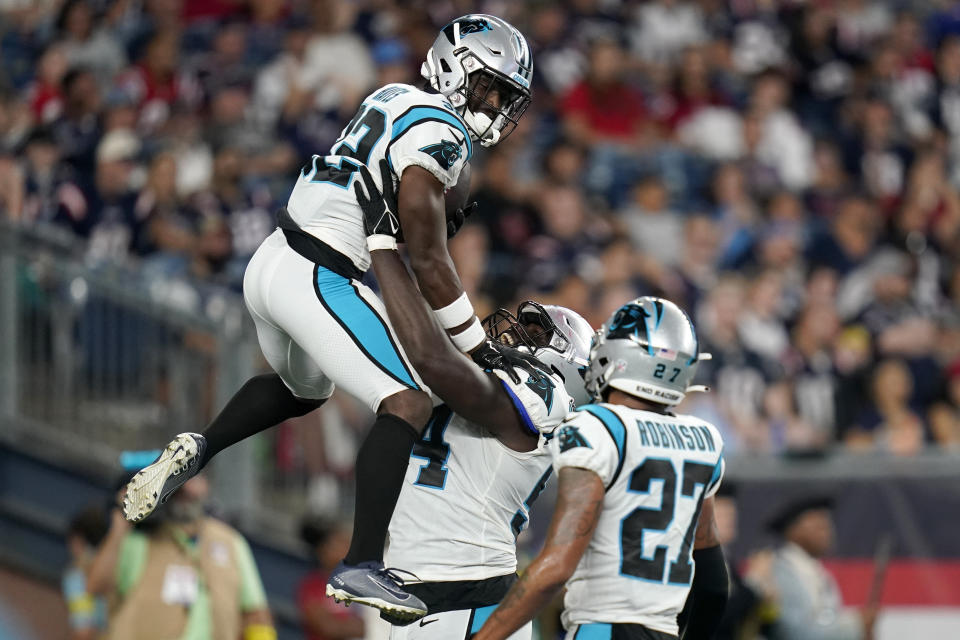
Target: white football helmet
[(556, 336), (473, 57), (649, 349)]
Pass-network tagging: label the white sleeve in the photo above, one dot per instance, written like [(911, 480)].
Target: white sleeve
[(717, 478), (714, 485), (437, 145), (542, 404), (582, 441)]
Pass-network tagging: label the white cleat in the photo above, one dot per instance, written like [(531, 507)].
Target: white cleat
[(155, 483)]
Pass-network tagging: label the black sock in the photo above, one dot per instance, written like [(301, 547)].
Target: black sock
[(262, 402), (381, 466)]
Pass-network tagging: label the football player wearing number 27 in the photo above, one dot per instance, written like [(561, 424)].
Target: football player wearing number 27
[(633, 536), (320, 327)]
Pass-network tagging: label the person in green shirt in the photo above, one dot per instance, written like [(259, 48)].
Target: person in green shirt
[(186, 576)]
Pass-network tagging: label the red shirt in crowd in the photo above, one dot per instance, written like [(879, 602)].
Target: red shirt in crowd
[(46, 102), (616, 111)]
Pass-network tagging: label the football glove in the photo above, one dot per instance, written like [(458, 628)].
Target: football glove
[(460, 216), (492, 355), (378, 207)]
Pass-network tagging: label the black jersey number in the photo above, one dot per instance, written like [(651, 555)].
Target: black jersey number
[(632, 528), (361, 134), (339, 173), (433, 450), (519, 520)]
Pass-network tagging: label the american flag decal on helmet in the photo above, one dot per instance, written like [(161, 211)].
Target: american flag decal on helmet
[(667, 354)]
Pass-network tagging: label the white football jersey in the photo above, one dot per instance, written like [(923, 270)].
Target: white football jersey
[(657, 470), (399, 123), (467, 496)]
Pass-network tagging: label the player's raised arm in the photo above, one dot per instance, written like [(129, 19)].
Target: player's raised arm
[(579, 504), (469, 391), (422, 217)]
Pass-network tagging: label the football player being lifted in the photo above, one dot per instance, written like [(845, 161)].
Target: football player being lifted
[(483, 459), (319, 327), (633, 536)]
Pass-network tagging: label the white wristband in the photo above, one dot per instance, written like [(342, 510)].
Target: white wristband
[(381, 241), (470, 338), (455, 313)]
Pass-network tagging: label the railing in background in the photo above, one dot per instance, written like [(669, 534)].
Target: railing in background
[(96, 359)]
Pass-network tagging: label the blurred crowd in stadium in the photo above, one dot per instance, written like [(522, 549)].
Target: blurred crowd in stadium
[(786, 170)]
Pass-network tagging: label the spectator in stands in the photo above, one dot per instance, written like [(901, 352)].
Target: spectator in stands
[(88, 613), (167, 228), (664, 28), (606, 115), (942, 104), (337, 59), (569, 238), (655, 230), (735, 212), (504, 208), (225, 65), (851, 238), (46, 99), (15, 121), (760, 173), (187, 576), (698, 265), (246, 212), (692, 91), (77, 132), (321, 617), (945, 414), (891, 424), (87, 45), (930, 207), (326, 78), (810, 602), (738, 377), (103, 212), (280, 85), (560, 63), (830, 181), (784, 143), (603, 110), (877, 154), (761, 327), (898, 327), (46, 179), (813, 378), (852, 359), (155, 83), (267, 23)]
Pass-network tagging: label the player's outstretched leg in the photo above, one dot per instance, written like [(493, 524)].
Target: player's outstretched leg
[(381, 467), (262, 402)]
